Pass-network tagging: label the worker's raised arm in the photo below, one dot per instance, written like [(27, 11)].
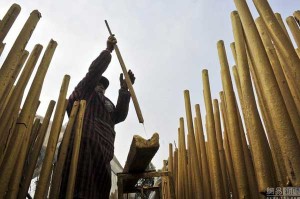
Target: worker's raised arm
[(97, 68)]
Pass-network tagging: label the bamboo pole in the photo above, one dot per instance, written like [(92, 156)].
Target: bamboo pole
[(234, 134), (190, 173), (270, 92), (220, 146), (274, 144), (16, 176), (176, 172), (9, 66), (197, 141), (128, 81), (35, 89), (6, 121), (193, 150), (204, 159), (33, 135), (281, 42), (292, 107), (216, 173), (41, 189), (13, 78), (75, 152), (259, 143), (22, 122), (294, 29), (281, 23), (297, 16), (56, 178), (1, 48), (170, 166), (17, 93), (249, 162), (227, 148), (28, 171), (8, 20), (183, 159)]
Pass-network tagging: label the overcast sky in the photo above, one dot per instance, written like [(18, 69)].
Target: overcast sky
[(166, 44)]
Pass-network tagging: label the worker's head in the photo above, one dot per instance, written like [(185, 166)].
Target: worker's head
[(102, 85)]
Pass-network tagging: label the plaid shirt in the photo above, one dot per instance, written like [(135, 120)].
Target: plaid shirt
[(93, 178)]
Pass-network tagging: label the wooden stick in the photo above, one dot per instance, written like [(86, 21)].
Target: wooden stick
[(42, 188), (75, 152), (235, 143), (28, 171), (56, 178), (220, 147), (9, 66), (8, 20), (193, 150), (291, 22), (259, 143), (213, 145), (204, 159), (292, 105), (128, 81)]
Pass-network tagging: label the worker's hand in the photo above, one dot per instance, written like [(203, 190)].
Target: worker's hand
[(123, 82), (111, 41)]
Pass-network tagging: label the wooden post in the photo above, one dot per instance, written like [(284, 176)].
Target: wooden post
[(176, 172), (270, 91), (183, 160), (8, 20), (16, 176), (220, 147), (297, 16), (281, 42), (75, 152), (259, 143), (290, 103), (294, 29), (9, 66), (234, 133), (13, 78), (204, 159), (17, 93), (42, 188), (227, 147), (56, 178), (195, 166), (280, 21), (28, 171), (213, 145)]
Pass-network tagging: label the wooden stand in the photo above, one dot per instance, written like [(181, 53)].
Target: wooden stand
[(123, 177)]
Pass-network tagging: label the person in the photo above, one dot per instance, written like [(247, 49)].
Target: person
[(93, 178)]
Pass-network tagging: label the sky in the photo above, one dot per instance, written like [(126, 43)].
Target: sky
[(166, 44)]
